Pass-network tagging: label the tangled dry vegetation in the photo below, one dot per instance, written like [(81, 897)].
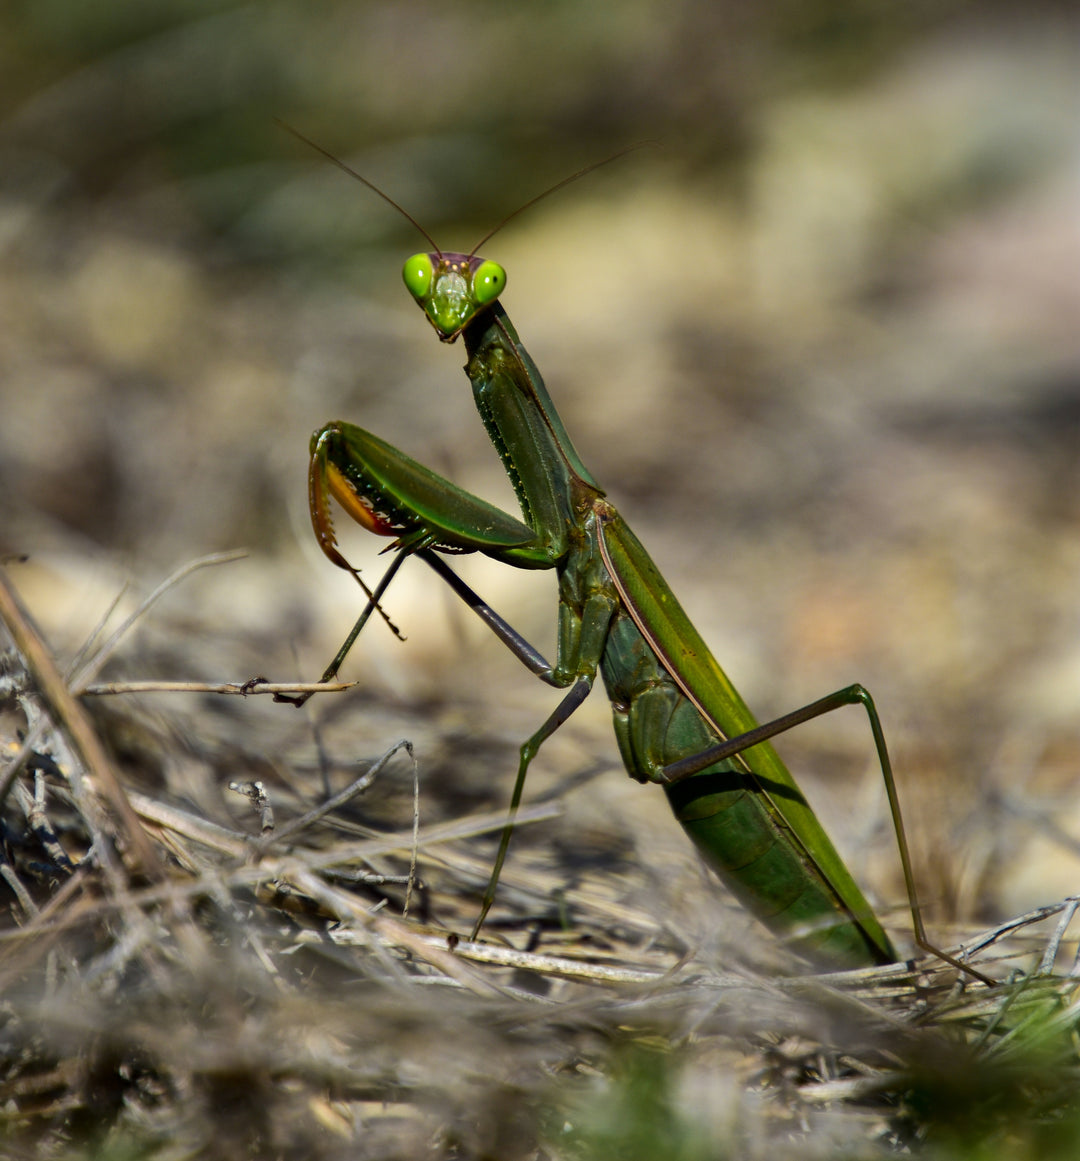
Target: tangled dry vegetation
[(288, 981)]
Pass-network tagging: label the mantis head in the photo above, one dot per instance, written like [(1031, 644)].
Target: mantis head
[(452, 289)]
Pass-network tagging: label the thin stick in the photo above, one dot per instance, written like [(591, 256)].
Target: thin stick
[(11, 769), (40, 825), (550, 965), (101, 655), (91, 642), (255, 793), (1046, 964), (393, 931), (237, 688), (990, 937), (238, 845), (331, 804), (191, 827), (415, 834), (10, 876)]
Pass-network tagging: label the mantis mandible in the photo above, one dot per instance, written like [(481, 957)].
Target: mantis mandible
[(678, 719)]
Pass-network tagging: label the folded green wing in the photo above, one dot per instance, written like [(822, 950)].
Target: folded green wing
[(664, 624)]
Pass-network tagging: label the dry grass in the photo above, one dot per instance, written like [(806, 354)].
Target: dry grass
[(180, 985)]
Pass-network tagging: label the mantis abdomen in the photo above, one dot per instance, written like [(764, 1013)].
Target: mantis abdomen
[(727, 811)]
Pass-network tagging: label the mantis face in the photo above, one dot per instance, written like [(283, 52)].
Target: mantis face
[(453, 288)]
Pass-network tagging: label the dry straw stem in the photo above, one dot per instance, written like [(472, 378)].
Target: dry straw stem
[(83, 673), (235, 688), (272, 949)]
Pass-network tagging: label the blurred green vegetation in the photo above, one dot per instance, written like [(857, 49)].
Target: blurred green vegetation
[(997, 1086)]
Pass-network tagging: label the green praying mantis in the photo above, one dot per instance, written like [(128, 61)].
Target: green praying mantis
[(678, 719)]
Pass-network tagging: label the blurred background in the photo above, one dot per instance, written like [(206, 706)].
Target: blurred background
[(820, 342)]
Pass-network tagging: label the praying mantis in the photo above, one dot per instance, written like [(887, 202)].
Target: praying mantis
[(679, 722)]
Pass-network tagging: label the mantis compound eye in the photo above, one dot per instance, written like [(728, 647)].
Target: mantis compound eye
[(489, 282), (418, 273)]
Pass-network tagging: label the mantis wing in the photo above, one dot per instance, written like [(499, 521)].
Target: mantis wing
[(669, 631)]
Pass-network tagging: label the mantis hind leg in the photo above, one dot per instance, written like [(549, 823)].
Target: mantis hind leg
[(850, 695), (580, 646), (577, 694)]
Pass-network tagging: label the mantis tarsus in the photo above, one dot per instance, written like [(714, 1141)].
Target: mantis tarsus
[(678, 719)]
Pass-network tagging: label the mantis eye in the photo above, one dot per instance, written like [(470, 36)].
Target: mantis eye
[(418, 273), (489, 281)]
